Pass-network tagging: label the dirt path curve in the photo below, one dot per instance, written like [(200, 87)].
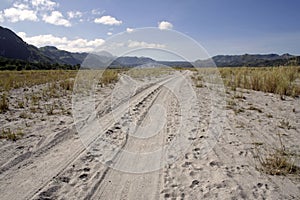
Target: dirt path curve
[(28, 175), (133, 155)]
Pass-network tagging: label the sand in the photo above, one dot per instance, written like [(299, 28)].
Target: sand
[(167, 140)]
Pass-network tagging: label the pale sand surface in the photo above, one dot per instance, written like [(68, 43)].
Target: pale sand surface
[(51, 161)]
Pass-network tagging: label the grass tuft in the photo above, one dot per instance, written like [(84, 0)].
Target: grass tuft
[(279, 80), (4, 103), (277, 162), (109, 76), (10, 135)]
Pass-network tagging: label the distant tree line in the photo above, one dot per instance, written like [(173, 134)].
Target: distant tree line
[(15, 64)]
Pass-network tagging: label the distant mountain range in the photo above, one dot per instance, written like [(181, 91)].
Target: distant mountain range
[(63, 57), (13, 47), (253, 60)]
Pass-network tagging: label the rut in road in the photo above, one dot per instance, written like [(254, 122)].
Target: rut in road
[(32, 172), (84, 175), (135, 157)]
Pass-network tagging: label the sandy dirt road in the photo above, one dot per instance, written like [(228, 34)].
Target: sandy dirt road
[(126, 161), (165, 143), (33, 174)]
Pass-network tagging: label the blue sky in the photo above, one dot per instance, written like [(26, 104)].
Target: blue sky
[(220, 26)]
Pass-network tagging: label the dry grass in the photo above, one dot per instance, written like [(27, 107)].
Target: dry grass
[(4, 104), (278, 161), (109, 76), (278, 80), (149, 72), (18, 79), (88, 80), (10, 135), (42, 93), (198, 80)]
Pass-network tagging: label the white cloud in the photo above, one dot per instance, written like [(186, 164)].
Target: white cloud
[(1, 17), (75, 45), (137, 44), (98, 12), (129, 30), (21, 34), (17, 14), (21, 6), (163, 25), (108, 20), (74, 14), (96, 42), (29, 10), (43, 40), (56, 18), (109, 33), (44, 4)]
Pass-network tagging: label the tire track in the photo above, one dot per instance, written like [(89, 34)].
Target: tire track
[(137, 99), (122, 185)]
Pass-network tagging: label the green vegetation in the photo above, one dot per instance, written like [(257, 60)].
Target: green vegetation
[(15, 64)]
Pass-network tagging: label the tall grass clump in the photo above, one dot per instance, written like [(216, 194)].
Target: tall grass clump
[(11, 135), (18, 79), (4, 103), (278, 80), (149, 72), (109, 76), (278, 161)]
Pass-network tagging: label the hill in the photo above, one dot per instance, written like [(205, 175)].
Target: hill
[(251, 60), (12, 46), (63, 57)]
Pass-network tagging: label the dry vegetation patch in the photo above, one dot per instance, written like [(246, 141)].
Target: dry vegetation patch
[(278, 80), (11, 135), (274, 158), (29, 97), (22, 79), (276, 161)]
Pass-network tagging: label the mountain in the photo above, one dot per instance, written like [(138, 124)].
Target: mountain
[(128, 61), (12, 46), (98, 60), (251, 60), (105, 59), (63, 57), (183, 64)]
